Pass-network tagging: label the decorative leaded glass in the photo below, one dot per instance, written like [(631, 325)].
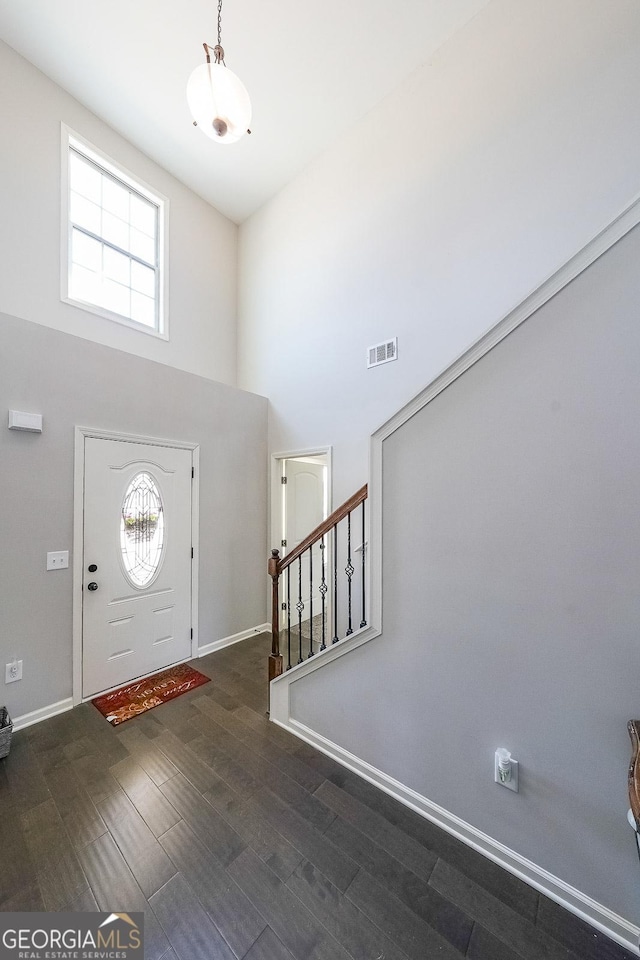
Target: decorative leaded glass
[(142, 530)]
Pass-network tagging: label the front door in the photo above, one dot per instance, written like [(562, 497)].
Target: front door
[(136, 598)]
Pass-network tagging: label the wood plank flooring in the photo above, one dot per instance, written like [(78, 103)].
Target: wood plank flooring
[(239, 841)]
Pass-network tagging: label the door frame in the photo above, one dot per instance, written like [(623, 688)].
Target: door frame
[(275, 513), (78, 535), (275, 499)]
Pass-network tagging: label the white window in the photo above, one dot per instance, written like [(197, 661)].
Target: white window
[(113, 243)]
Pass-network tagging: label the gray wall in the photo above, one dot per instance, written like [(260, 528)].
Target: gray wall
[(201, 253), (74, 382), (432, 217), (511, 596)]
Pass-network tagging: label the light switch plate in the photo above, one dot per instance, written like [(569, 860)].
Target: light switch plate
[(58, 560)]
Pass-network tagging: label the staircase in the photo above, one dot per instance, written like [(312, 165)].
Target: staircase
[(322, 583)]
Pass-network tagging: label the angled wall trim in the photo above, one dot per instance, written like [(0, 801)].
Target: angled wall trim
[(280, 687), (603, 241), (569, 897), (576, 265), (572, 899)]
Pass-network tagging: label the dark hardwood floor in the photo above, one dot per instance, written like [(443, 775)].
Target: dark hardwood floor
[(239, 841)]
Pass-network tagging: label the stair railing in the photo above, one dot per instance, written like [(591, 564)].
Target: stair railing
[(333, 592)]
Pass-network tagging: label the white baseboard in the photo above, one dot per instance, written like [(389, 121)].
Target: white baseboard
[(235, 638), (573, 900), (36, 716)]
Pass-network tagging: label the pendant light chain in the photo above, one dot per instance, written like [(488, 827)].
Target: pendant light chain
[(218, 50)]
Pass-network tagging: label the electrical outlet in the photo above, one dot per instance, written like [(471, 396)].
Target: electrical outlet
[(13, 671), (511, 782)]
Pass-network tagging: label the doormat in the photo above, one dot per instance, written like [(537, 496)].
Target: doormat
[(143, 695)]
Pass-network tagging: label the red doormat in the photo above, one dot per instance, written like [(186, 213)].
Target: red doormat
[(143, 695)]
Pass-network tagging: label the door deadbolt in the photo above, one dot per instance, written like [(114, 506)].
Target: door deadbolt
[(92, 567)]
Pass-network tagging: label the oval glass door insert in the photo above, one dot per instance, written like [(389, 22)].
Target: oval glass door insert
[(142, 530)]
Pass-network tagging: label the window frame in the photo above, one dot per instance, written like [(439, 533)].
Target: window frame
[(70, 140)]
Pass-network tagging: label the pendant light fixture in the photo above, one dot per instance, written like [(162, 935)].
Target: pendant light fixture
[(218, 100)]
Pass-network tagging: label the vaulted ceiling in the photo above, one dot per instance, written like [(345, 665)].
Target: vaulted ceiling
[(312, 71)]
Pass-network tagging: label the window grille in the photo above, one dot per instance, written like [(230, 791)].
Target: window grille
[(115, 245)]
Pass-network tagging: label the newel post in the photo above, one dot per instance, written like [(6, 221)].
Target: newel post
[(275, 660)]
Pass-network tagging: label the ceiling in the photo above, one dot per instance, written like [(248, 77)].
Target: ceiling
[(312, 71)]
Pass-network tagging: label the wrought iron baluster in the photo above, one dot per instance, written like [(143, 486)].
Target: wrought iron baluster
[(310, 602), (323, 593), (349, 570), (363, 622), (335, 585), (288, 618), (329, 592), (299, 608)]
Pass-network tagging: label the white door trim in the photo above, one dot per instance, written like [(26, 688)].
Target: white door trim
[(275, 514), (78, 535)]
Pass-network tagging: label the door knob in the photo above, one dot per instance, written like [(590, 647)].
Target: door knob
[(92, 586)]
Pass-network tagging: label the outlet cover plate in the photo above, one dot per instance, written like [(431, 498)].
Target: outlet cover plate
[(510, 784), (13, 671)]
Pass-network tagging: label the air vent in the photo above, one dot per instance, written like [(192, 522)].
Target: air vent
[(382, 353)]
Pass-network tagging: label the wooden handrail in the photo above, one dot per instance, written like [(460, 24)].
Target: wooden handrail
[(278, 564), (323, 528), (634, 770)]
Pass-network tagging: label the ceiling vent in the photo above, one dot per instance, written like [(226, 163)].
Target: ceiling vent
[(382, 352)]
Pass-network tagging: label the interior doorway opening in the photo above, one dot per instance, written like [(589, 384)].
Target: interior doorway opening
[(304, 491), (301, 500)]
